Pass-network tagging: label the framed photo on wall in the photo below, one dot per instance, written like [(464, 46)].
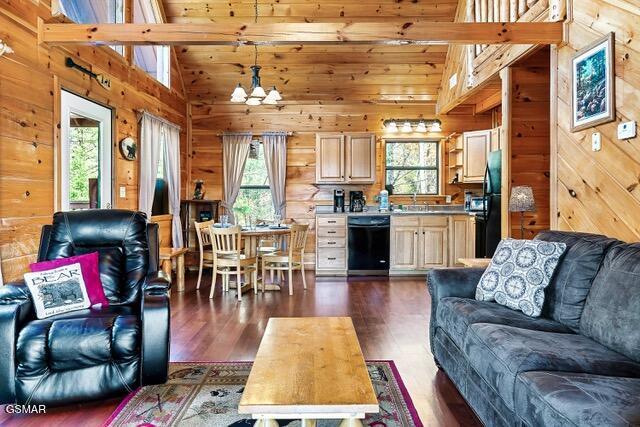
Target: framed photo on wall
[(593, 78)]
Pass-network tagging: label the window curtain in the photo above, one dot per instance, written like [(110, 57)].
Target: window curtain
[(156, 132), (235, 150), (172, 176), (275, 157)]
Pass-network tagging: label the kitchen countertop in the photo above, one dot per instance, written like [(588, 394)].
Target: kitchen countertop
[(373, 210)]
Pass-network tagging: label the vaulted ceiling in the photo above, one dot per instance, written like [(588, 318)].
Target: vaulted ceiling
[(329, 73)]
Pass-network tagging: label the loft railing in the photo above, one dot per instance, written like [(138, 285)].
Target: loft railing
[(505, 11)]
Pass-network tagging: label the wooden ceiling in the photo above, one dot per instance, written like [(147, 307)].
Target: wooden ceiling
[(329, 73)]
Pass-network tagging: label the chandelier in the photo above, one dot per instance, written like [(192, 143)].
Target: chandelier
[(258, 95)]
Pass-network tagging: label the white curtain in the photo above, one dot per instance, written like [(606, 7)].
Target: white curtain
[(275, 157), (172, 176), (155, 133), (150, 140), (235, 150)]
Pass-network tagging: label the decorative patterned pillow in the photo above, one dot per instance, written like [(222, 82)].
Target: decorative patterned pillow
[(519, 272), (58, 291)]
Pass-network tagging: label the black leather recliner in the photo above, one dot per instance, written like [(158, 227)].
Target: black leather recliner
[(95, 353)]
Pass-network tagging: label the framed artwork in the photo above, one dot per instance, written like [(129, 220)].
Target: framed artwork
[(593, 91)]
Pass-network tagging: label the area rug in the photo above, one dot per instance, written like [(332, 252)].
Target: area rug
[(208, 393)]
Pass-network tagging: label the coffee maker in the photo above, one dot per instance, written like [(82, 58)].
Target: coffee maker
[(338, 200), (356, 201)]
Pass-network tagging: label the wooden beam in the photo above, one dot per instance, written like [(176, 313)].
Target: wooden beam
[(307, 33)]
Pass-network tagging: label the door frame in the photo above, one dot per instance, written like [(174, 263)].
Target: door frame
[(107, 152)]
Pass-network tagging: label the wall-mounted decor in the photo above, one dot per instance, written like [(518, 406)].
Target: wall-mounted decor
[(102, 79), (593, 92), (128, 148), (5, 48), (198, 191)]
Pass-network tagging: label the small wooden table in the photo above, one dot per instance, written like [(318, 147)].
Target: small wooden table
[(475, 262), (309, 368), (167, 255)]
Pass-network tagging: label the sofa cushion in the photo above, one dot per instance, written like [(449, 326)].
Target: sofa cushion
[(567, 293), (499, 353), (560, 399), (611, 314), (456, 314)]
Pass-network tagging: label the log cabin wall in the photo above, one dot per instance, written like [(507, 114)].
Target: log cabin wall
[(29, 98), (529, 128), (305, 119), (599, 191)]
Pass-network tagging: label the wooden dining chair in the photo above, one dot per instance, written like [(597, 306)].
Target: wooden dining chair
[(229, 260), (206, 249), (290, 259)]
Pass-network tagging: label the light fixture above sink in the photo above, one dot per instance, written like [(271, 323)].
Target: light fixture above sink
[(412, 125)]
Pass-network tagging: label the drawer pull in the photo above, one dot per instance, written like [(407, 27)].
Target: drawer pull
[(331, 232), (331, 222), (331, 243), (331, 258)]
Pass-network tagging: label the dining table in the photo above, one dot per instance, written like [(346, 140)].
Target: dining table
[(252, 236)]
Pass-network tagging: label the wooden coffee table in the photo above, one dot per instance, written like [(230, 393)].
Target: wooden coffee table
[(309, 368)]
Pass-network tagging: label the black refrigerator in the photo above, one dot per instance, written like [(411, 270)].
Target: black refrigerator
[(490, 223)]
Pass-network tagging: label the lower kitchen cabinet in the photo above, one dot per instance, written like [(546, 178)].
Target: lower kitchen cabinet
[(331, 245), (422, 242)]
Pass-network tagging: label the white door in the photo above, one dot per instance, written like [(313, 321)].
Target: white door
[(85, 154)]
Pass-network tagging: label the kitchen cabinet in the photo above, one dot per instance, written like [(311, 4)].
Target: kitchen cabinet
[(331, 245), (330, 158), (462, 236), (475, 148), (433, 243), (348, 158), (422, 242)]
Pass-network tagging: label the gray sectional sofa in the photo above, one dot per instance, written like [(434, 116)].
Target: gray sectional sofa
[(576, 365)]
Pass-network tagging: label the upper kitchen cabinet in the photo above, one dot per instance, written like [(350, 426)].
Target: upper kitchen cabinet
[(330, 158), (476, 147), (345, 158), (361, 158)]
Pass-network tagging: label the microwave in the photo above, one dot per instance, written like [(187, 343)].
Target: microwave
[(477, 204)]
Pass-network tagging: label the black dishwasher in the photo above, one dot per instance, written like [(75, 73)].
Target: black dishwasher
[(369, 245)]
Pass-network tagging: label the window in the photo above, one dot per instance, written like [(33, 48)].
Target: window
[(254, 199), (94, 12), (85, 154), (155, 60), (412, 167)]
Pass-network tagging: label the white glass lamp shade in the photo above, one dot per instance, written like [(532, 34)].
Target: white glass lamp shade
[(238, 93), (406, 127), (258, 92), (391, 127), (421, 127), (435, 127), (269, 100), (253, 101), (274, 94), (238, 100)]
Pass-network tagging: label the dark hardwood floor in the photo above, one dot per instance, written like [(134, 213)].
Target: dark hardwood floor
[(391, 317)]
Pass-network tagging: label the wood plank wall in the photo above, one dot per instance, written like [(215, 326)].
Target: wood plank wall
[(530, 141), (599, 191), (305, 120), (29, 98)]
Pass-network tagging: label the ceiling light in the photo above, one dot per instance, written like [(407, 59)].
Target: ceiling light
[(253, 101), (239, 93), (269, 100), (436, 127), (238, 100), (274, 94), (391, 127), (422, 127), (406, 127)]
